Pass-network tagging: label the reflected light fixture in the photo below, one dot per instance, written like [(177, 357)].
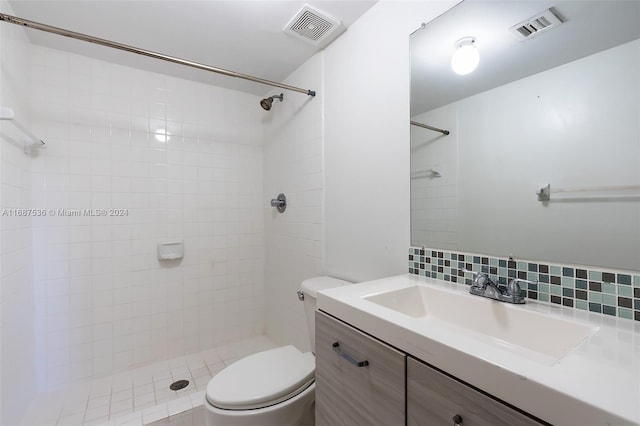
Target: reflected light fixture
[(161, 135), (466, 57)]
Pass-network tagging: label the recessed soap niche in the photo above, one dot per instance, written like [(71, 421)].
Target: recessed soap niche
[(170, 250)]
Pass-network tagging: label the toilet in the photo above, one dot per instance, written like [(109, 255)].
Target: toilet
[(270, 388)]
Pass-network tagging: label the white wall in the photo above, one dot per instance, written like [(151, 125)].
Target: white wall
[(574, 126), (103, 300), (367, 141), (293, 165), (17, 354)]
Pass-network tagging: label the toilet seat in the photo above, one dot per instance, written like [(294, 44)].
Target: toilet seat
[(262, 379)]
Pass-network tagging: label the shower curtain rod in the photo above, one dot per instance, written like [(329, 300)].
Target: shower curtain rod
[(435, 129), (84, 37)]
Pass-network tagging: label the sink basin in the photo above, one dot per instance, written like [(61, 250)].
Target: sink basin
[(508, 325)]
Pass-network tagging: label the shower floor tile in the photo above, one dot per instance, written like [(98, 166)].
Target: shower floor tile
[(139, 396)]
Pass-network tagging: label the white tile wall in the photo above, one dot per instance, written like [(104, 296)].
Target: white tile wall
[(293, 164), (103, 300), (434, 199), (17, 353)]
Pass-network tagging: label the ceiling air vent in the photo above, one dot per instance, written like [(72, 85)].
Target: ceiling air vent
[(313, 26), (536, 25)]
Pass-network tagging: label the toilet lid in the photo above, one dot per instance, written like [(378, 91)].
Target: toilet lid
[(262, 379)]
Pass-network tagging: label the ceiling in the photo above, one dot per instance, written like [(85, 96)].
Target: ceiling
[(238, 35), (589, 26)]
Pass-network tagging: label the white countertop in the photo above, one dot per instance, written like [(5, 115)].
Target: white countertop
[(597, 383)]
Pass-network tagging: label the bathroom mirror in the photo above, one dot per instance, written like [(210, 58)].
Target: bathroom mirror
[(557, 106)]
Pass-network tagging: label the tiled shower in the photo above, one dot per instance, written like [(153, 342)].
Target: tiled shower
[(172, 161), (84, 297)]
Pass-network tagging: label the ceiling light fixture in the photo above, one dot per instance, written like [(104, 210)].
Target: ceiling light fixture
[(466, 57)]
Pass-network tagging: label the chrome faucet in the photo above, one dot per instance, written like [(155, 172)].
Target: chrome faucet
[(483, 286)]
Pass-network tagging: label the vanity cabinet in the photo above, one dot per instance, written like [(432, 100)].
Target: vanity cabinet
[(363, 381), (359, 380), (434, 398)]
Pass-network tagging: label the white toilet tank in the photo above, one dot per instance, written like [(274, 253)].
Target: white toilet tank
[(310, 288)]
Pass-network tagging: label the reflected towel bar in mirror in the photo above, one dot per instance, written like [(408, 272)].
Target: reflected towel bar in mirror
[(544, 193), (433, 172), (425, 126)]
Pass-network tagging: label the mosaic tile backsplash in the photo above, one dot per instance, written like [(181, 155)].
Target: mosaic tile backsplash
[(608, 292)]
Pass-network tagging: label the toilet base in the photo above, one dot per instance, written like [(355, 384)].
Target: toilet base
[(296, 411)]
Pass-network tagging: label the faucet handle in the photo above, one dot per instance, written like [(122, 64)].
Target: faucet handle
[(475, 274), (513, 288), (479, 278)]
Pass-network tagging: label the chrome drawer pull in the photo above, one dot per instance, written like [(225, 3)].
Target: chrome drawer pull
[(352, 360)]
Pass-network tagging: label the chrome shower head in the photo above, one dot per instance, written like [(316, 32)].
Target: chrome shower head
[(267, 102)]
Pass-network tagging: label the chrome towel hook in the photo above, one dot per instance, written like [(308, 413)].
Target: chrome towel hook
[(280, 203)]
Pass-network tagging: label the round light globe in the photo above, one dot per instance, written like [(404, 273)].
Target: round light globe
[(466, 57)]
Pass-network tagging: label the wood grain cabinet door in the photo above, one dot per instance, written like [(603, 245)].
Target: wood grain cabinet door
[(359, 380), (435, 399)]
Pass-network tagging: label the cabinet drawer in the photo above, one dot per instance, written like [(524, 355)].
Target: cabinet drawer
[(434, 398), (348, 394)]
